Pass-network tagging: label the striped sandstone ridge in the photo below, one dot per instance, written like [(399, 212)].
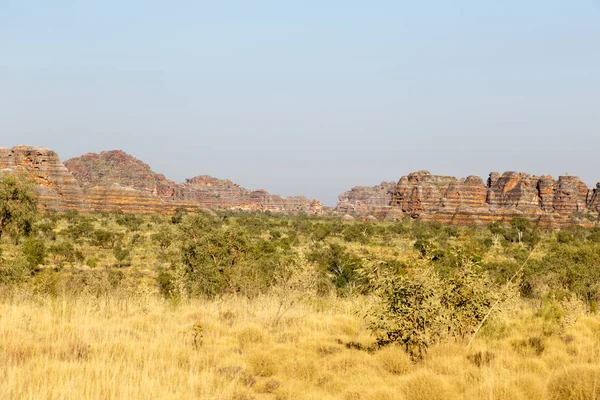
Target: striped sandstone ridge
[(116, 166), (215, 193), (364, 199), (58, 190), (98, 174), (131, 200), (544, 200)]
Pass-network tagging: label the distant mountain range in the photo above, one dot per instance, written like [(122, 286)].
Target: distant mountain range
[(115, 180)]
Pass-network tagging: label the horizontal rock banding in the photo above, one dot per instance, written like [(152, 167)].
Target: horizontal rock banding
[(97, 174), (58, 190), (543, 200)]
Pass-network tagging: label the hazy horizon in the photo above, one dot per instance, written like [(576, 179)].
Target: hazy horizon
[(307, 99)]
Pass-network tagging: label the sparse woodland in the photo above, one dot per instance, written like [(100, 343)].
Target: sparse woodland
[(260, 306)]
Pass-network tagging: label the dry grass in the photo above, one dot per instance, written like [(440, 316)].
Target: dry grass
[(81, 348)]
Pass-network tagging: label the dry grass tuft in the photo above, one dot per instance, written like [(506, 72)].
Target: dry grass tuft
[(576, 382), (424, 385), (72, 348), (394, 360), (262, 363), (251, 336)]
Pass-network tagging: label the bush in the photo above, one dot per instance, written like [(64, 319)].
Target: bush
[(14, 271), (420, 309), (130, 221), (66, 252), (106, 239), (123, 256), (18, 204), (34, 251), (338, 266)]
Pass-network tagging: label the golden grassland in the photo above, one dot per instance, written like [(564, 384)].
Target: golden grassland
[(144, 347)]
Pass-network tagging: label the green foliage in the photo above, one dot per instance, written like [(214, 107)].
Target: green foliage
[(107, 239), (66, 252), (229, 258), (177, 217), (564, 237), (18, 204), (122, 256), (132, 222), (34, 251), (14, 271), (79, 228), (203, 254), (357, 232), (337, 267), (166, 283), (419, 309), (568, 268), (164, 236)]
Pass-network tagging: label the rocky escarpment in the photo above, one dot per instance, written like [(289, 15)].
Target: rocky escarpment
[(116, 166), (542, 199), (363, 199), (57, 188), (98, 174), (114, 180)]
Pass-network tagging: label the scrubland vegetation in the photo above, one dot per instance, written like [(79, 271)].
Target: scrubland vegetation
[(256, 306)]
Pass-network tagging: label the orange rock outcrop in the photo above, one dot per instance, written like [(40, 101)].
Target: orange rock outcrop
[(469, 201), (57, 188), (114, 180)]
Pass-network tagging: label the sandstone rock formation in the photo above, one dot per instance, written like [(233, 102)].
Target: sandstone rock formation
[(116, 166), (545, 201), (362, 199), (98, 174), (124, 198), (57, 188), (114, 180), (215, 193)]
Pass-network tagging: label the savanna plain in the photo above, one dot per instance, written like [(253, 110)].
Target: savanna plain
[(222, 305)]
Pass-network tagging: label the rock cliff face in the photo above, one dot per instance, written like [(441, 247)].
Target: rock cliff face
[(57, 188), (109, 177), (363, 199), (116, 166), (124, 198), (215, 193), (544, 200), (115, 180)]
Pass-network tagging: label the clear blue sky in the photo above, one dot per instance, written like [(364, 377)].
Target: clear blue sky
[(308, 97)]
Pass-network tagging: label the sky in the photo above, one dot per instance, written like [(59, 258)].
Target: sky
[(308, 97)]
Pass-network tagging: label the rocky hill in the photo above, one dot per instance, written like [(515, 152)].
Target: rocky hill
[(365, 199), (115, 180), (104, 176), (116, 166), (57, 188), (544, 200)]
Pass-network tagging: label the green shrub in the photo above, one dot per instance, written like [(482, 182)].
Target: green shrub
[(420, 309), (14, 271), (123, 256), (18, 204), (34, 251), (106, 239)]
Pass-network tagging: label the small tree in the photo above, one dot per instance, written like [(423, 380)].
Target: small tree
[(419, 309), (18, 204), (34, 251), (123, 256)]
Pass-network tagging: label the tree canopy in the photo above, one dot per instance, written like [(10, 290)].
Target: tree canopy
[(18, 204)]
